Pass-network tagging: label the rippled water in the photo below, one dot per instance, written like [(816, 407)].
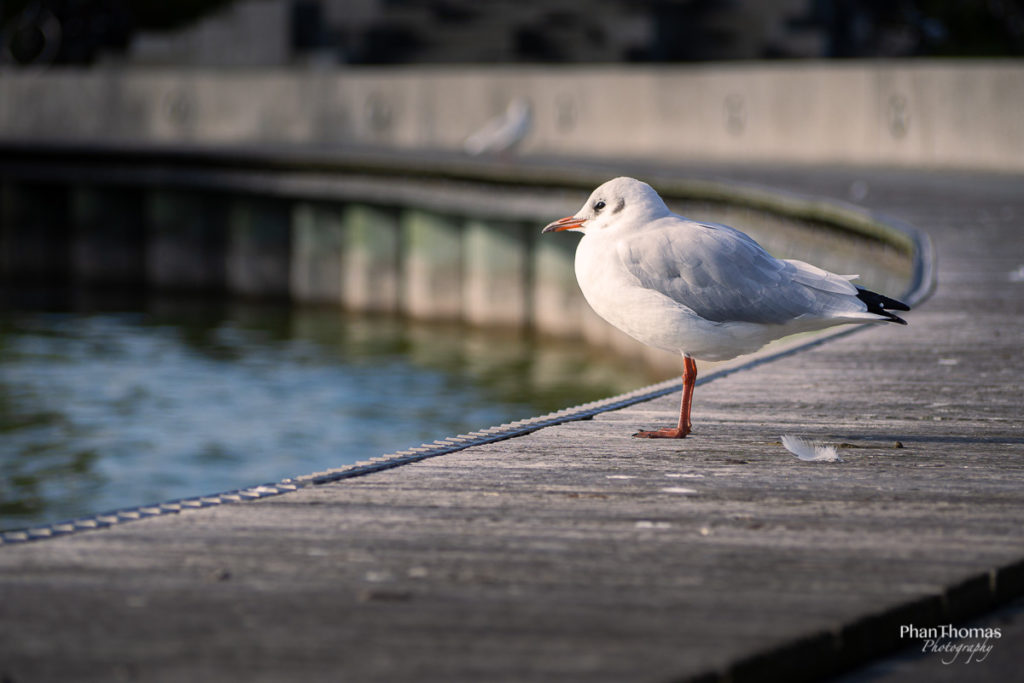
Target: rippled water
[(107, 409)]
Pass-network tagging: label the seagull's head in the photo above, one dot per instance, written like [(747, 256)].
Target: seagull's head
[(619, 204)]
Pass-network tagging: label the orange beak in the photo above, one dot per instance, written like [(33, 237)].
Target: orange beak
[(567, 223)]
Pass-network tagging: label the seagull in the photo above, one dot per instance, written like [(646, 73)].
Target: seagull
[(502, 133), (703, 290)]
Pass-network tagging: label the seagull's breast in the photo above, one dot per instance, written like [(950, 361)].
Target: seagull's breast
[(617, 295)]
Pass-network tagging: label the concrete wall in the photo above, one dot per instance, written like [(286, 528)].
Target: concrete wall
[(922, 113)]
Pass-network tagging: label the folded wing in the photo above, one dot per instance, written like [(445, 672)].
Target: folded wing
[(723, 275)]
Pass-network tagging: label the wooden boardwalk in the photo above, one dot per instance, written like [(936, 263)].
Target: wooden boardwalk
[(578, 553)]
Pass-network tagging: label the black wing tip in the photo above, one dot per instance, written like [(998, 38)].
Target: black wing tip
[(879, 305)]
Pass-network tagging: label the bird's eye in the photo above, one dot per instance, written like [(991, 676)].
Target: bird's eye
[(599, 204)]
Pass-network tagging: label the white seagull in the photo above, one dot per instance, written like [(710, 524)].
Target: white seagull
[(502, 133), (703, 290)]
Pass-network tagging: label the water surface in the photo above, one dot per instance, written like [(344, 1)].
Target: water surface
[(103, 408)]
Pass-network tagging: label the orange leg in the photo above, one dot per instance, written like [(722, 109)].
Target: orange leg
[(683, 428)]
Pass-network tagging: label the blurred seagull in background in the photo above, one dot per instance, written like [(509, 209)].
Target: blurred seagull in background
[(502, 133), (703, 290)]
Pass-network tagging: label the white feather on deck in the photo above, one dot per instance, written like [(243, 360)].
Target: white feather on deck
[(810, 451)]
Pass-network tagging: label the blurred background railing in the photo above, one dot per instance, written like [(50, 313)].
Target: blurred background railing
[(932, 114), (601, 78)]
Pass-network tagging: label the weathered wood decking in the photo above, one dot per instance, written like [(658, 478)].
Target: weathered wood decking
[(578, 553)]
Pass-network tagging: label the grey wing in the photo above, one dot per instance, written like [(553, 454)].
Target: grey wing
[(724, 275)]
